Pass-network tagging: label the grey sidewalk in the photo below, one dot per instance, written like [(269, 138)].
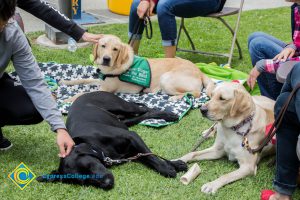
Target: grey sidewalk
[(100, 10)]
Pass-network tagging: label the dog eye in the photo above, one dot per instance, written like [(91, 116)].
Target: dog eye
[(115, 49), (222, 99), (103, 46)]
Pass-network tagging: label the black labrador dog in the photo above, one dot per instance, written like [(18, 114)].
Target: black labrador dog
[(98, 123)]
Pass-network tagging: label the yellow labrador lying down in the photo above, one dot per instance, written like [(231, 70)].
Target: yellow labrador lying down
[(173, 76), (237, 114)]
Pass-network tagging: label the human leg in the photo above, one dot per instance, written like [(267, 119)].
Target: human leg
[(16, 107), (287, 163), (168, 9), (133, 21), (264, 46)]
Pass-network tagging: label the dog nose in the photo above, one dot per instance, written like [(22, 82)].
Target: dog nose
[(107, 182), (204, 110), (106, 60)]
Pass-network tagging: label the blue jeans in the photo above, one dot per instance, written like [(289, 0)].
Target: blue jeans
[(167, 10), (264, 46), (287, 162)]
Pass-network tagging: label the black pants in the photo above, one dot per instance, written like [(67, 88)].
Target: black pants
[(16, 107)]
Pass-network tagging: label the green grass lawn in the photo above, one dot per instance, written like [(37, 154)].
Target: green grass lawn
[(35, 145)]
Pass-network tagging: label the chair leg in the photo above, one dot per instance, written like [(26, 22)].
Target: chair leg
[(179, 34), (234, 40), (182, 27), (233, 34)]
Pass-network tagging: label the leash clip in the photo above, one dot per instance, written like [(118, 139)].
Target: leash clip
[(108, 161), (145, 21)]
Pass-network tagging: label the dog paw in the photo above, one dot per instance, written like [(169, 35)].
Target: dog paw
[(210, 188), (175, 98), (62, 82), (158, 114), (170, 117), (211, 133), (167, 169), (184, 158), (179, 166), (69, 100), (169, 173)]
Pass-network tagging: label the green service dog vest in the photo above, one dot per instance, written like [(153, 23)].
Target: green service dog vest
[(139, 73)]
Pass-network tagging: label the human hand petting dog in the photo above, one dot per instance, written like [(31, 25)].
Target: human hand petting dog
[(252, 77), (90, 37), (145, 7), (64, 142)]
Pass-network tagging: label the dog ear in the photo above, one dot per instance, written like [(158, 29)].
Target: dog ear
[(125, 55), (95, 51), (54, 176), (242, 102), (209, 88)]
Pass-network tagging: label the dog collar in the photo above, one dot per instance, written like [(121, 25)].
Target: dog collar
[(139, 73), (245, 142), (104, 76), (95, 152), (241, 124), (99, 154)]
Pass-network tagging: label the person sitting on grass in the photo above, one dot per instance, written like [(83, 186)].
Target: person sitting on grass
[(166, 11), (32, 101), (264, 46)]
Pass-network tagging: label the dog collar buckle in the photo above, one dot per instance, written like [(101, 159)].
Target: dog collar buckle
[(108, 161), (241, 124)]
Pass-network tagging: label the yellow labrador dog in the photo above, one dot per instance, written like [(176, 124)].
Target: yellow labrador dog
[(239, 116), (173, 76)]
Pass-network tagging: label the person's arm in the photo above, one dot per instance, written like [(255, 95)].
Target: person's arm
[(50, 15), (267, 65), (290, 49), (264, 65), (33, 82)]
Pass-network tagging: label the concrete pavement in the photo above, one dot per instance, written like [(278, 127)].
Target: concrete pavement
[(100, 10)]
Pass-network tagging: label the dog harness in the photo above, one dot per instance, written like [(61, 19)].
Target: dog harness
[(139, 73)]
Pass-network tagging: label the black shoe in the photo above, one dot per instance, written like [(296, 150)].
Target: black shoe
[(5, 144)]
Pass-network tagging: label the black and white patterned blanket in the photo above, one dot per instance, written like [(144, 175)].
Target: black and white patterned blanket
[(71, 72)]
